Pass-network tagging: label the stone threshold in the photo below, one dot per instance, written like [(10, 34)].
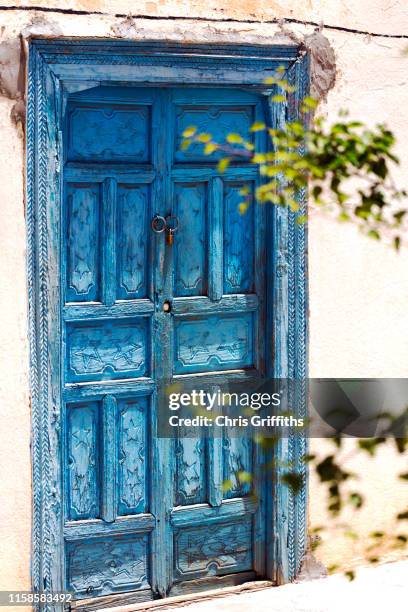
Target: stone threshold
[(191, 598)]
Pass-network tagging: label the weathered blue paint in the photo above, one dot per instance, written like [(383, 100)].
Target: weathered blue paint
[(115, 507)]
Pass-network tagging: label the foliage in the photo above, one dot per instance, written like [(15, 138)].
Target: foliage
[(346, 166), (331, 472)]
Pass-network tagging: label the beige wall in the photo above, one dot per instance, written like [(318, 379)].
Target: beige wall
[(358, 288), (15, 475)]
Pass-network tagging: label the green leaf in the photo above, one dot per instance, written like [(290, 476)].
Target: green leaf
[(404, 476), (400, 443), (293, 205), (248, 145), (402, 538), (227, 485), (209, 148), (307, 458), (244, 477), (370, 445), (189, 131), (185, 144), (356, 500), (203, 137), (310, 102), (316, 191), (259, 158), (292, 480), (374, 234), (278, 98), (398, 216), (258, 126), (270, 170), (350, 574), (223, 164), (286, 87), (235, 138), (244, 191), (270, 80), (377, 535), (328, 470)]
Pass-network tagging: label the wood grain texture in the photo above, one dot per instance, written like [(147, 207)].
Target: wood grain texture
[(213, 550), (123, 134), (107, 350), (133, 236), (83, 461), (106, 566), (83, 205), (109, 459), (214, 343), (132, 456), (204, 514), (190, 266), (191, 470), (239, 241), (237, 458), (215, 119)]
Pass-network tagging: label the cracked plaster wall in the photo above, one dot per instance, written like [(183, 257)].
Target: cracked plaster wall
[(358, 288)]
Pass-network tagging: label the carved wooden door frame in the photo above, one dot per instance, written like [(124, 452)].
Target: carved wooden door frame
[(57, 68)]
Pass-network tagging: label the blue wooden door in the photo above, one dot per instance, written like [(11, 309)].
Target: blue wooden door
[(143, 514)]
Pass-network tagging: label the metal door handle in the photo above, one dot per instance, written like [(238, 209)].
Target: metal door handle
[(158, 224), (169, 224), (172, 224)]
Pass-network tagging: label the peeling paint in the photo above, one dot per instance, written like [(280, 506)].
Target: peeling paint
[(322, 65), (10, 57), (311, 568), (41, 26), (322, 60), (125, 28), (12, 78)]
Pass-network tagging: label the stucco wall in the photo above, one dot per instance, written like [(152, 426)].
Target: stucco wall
[(358, 288)]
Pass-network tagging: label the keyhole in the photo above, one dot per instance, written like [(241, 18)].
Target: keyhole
[(166, 306)]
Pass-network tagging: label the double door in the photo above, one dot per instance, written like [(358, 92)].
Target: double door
[(143, 513)]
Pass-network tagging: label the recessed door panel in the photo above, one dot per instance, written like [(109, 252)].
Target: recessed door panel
[(214, 343), (105, 566), (109, 132), (191, 469), (239, 244), (107, 350), (216, 119), (133, 460), (213, 550), (83, 242), (191, 248), (83, 460), (133, 208)]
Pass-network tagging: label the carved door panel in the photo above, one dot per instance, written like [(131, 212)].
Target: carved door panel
[(142, 514)]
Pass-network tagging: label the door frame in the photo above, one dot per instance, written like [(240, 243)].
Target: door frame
[(56, 69)]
